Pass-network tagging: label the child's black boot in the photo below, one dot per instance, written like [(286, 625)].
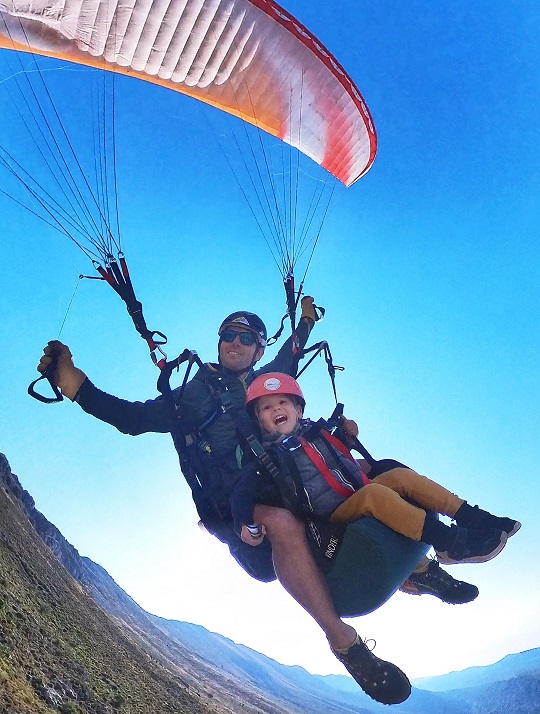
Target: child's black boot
[(454, 544), (472, 546), (474, 517)]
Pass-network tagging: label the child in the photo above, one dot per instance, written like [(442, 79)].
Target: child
[(333, 485)]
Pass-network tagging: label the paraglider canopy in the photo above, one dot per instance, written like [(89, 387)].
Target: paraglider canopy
[(250, 58)]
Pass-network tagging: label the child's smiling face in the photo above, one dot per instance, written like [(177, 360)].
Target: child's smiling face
[(278, 413)]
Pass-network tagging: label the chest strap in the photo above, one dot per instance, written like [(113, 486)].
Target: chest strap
[(315, 457), (340, 446)]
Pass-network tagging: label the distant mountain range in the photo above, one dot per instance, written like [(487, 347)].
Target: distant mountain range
[(511, 667), (71, 640)]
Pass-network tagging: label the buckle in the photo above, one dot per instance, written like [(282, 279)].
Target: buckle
[(291, 443)]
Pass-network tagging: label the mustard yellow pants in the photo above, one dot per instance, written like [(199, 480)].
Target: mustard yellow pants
[(384, 498)]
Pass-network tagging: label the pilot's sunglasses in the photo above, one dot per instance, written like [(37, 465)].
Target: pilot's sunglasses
[(246, 338)]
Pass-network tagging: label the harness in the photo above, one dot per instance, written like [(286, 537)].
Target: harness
[(192, 444), (204, 473), (290, 480), (188, 442), (316, 458)]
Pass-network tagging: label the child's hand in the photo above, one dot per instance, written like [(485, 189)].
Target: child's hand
[(252, 537), (350, 429)]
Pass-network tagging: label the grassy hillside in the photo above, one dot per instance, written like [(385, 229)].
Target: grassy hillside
[(76, 607), (60, 652)]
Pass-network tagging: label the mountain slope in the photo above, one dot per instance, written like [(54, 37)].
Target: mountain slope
[(258, 687), (52, 650), (509, 667), (58, 648)]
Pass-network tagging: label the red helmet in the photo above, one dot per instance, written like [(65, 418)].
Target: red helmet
[(273, 383)]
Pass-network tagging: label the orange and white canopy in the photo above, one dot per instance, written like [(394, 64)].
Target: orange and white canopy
[(250, 58)]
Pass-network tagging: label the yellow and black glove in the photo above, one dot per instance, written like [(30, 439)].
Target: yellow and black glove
[(308, 309)]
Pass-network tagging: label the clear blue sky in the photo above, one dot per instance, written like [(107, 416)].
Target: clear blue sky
[(428, 268)]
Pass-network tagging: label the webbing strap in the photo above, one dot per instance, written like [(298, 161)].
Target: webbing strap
[(116, 274), (299, 495), (181, 434), (263, 458), (292, 303), (321, 347), (243, 426), (314, 456), (340, 446)]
